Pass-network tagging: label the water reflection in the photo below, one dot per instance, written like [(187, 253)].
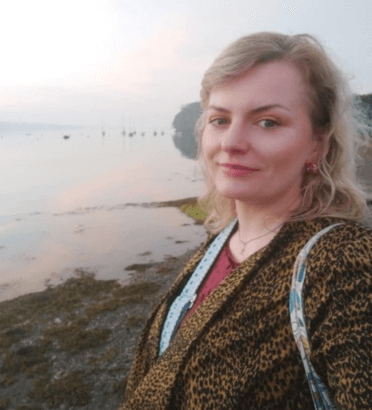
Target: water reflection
[(103, 241)]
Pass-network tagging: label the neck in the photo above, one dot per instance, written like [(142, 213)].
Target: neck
[(255, 220)]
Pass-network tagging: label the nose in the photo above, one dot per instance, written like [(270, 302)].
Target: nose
[(236, 139)]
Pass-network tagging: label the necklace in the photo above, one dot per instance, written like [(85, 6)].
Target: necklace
[(245, 243)]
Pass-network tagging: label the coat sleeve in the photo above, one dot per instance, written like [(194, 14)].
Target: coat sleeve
[(341, 330)]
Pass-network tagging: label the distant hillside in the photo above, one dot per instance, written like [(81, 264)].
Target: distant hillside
[(24, 126), (366, 103)]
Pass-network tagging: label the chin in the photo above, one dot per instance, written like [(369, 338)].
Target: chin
[(238, 196), (235, 192)]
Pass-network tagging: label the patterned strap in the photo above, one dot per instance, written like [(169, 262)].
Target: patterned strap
[(318, 390), (186, 299)]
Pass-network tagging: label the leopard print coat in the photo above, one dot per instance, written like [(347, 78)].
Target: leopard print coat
[(237, 350)]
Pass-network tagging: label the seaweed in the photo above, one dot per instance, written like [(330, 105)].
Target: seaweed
[(71, 390)]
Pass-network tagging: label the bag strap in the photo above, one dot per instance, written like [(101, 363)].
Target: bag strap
[(186, 299), (319, 392)]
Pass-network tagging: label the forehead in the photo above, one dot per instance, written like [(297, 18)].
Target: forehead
[(277, 82)]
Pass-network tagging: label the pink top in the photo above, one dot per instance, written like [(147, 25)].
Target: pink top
[(221, 268)]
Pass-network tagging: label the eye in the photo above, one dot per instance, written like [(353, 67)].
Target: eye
[(268, 123), (218, 121)]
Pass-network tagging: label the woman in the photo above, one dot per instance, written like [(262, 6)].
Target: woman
[(278, 140)]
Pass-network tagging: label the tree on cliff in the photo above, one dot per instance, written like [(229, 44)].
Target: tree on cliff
[(184, 125)]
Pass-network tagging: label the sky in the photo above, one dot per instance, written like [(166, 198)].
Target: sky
[(135, 63)]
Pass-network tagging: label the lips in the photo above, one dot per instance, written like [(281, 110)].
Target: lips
[(236, 170), (237, 167)]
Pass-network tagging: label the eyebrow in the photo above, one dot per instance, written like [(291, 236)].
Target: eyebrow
[(255, 110)]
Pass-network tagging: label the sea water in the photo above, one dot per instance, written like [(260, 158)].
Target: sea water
[(75, 203)]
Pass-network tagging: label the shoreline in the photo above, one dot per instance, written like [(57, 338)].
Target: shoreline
[(71, 346), (47, 248)]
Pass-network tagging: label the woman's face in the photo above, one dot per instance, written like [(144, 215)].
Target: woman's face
[(258, 135)]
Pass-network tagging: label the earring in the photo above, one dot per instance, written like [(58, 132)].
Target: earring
[(311, 167)]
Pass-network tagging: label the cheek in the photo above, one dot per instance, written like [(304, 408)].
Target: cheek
[(207, 157), (290, 161), (207, 148), (204, 152), (289, 153)]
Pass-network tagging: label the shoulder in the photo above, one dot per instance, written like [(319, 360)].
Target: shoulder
[(350, 243), (355, 244), (348, 240), (339, 277), (351, 231), (340, 264)]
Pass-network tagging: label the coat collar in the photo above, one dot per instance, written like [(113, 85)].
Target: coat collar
[(299, 231)]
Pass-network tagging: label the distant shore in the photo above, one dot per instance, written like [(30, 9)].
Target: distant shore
[(71, 346)]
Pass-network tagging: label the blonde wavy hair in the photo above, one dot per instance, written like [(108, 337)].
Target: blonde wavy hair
[(334, 190)]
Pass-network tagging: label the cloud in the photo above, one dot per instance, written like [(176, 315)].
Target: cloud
[(137, 71), (48, 41)]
